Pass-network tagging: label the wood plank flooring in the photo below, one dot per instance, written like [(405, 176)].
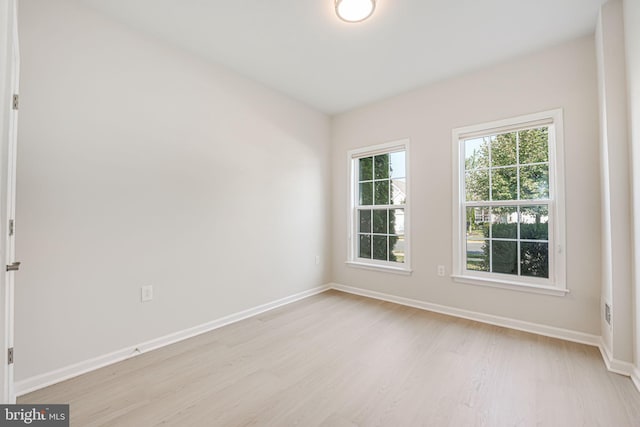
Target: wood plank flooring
[(337, 359)]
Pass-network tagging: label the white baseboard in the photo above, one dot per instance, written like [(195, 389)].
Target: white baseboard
[(535, 328), (40, 381), (615, 365), (635, 378)]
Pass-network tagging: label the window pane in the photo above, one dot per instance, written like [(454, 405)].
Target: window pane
[(504, 184), (381, 168), (396, 221), (396, 248), (380, 221), (476, 153), (366, 193), (534, 145), (534, 222), (381, 192), (504, 257), (534, 260), (477, 185), (365, 221), (397, 164), (366, 169), (477, 232), (380, 249), (364, 248), (504, 222), (503, 149), (477, 254), (534, 182)]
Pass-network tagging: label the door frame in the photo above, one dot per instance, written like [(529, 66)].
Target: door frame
[(9, 69)]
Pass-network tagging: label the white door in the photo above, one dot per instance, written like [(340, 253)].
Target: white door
[(9, 74)]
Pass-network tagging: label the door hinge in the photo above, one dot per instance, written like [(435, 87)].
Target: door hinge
[(16, 101), (11, 227), (10, 356)]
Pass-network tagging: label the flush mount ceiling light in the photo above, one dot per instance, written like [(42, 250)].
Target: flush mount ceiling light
[(354, 10)]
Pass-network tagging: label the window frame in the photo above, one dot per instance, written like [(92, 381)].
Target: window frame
[(353, 260), (555, 284)]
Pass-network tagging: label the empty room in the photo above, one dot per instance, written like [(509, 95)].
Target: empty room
[(320, 213)]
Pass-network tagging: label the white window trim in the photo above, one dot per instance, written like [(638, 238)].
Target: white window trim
[(352, 259), (556, 284)]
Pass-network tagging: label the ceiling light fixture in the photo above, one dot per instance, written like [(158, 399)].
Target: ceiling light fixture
[(354, 10)]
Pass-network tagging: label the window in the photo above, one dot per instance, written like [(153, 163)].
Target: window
[(508, 186), (378, 215)]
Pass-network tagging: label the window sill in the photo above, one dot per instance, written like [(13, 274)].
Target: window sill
[(514, 286), (377, 267)]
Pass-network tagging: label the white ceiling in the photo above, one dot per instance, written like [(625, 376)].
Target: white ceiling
[(301, 48)]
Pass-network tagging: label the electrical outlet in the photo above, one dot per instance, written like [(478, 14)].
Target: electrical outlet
[(607, 313), (146, 293), (441, 270), (317, 259)]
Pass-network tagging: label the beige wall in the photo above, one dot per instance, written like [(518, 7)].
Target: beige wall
[(632, 44), (559, 77), (139, 164), (615, 183)]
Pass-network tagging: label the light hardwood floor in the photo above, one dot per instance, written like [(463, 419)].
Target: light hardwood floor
[(337, 359)]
